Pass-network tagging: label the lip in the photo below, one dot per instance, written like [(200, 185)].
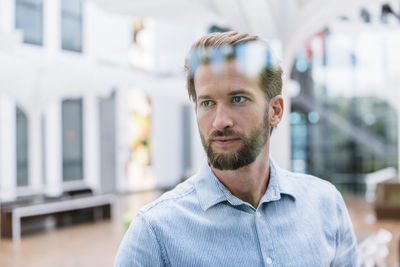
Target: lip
[(225, 141)]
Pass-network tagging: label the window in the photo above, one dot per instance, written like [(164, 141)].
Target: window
[(186, 138), (22, 147), (43, 140), (29, 19), (107, 142), (71, 25), (299, 142), (72, 140), (343, 124)]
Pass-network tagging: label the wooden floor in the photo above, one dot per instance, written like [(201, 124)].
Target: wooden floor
[(365, 223), (95, 244), (91, 244)]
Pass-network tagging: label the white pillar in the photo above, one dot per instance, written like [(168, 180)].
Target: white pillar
[(8, 174), (7, 15), (280, 139), (122, 138), (396, 104), (166, 136), (53, 149), (198, 153), (398, 144), (35, 151), (52, 25), (91, 142), (92, 13)]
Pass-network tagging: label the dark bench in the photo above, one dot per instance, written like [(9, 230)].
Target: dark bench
[(387, 204), (73, 201)]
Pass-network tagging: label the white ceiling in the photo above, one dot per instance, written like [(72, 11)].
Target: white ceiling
[(290, 21)]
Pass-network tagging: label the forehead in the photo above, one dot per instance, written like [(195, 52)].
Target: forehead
[(221, 77)]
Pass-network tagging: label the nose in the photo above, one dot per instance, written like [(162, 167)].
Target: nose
[(222, 118)]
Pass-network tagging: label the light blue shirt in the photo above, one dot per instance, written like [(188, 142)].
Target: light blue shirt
[(300, 221)]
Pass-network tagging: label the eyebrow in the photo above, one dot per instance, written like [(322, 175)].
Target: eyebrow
[(240, 92), (233, 93), (200, 97)]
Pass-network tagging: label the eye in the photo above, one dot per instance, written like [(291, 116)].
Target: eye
[(238, 99), (206, 103)]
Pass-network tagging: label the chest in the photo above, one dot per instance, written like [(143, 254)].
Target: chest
[(232, 237)]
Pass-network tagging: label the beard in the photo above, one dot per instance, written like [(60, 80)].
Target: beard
[(247, 154)]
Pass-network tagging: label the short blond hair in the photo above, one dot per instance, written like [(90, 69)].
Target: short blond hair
[(270, 77)]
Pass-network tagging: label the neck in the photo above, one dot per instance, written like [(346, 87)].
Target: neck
[(250, 182)]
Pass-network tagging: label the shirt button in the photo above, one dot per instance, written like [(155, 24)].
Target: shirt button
[(258, 214), (269, 260)]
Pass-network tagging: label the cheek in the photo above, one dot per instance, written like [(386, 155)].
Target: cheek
[(249, 116), (202, 121)]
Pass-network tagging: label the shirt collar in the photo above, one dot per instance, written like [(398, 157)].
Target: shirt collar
[(211, 191), (279, 183), (207, 189)]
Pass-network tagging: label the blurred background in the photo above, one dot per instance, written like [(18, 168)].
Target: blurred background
[(95, 120)]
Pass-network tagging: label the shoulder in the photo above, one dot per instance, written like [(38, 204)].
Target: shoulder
[(309, 182), (182, 196), (314, 189), (317, 198)]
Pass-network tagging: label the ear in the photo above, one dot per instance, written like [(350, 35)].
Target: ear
[(275, 110)]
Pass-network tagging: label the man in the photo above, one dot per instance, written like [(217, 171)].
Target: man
[(240, 209)]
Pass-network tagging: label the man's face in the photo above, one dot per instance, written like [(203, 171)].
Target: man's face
[(232, 116)]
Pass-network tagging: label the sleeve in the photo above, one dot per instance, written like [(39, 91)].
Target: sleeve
[(140, 246), (346, 242)]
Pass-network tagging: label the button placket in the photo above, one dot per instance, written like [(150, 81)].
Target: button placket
[(263, 236)]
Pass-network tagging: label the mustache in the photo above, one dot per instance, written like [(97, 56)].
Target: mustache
[(226, 132)]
